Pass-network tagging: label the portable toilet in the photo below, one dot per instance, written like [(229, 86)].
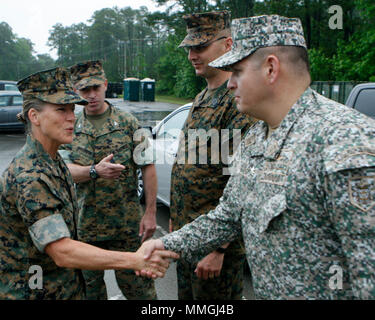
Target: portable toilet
[(131, 89), (148, 89)]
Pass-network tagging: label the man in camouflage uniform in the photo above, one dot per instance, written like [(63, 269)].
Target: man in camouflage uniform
[(102, 165), (197, 188), (304, 192)]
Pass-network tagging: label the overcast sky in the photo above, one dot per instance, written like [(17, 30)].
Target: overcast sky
[(33, 19)]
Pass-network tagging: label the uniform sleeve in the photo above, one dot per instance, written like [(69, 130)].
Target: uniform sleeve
[(40, 210), (350, 188), (208, 232)]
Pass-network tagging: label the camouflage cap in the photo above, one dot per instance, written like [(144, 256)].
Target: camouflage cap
[(203, 27), (88, 74), (250, 34), (51, 86)]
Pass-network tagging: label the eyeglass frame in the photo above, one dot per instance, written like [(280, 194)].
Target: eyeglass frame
[(203, 46)]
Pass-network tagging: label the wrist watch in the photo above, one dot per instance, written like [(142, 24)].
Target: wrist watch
[(221, 250), (93, 174)]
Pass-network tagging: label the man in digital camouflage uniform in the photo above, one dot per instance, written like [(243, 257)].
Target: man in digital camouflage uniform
[(304, 193), (196, 188), (102, 162)]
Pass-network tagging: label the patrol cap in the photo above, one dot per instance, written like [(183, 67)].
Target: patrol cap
[(88, 74), (51, 86), (203, 27), (250, 34)]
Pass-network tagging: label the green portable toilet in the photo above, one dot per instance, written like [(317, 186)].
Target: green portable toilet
[(148, 89), (131, 89)]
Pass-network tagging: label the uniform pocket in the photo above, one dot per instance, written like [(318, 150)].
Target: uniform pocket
[(273, 208), (258, 218)]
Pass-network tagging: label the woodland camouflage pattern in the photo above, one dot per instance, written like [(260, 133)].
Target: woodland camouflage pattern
[(108, 209), (203, 27), (304, 201), (197, 188), (38, 204), (51, 86), (87, 74), (250, 34)]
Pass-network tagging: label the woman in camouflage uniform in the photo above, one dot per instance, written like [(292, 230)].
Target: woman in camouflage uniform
[(38, 204)]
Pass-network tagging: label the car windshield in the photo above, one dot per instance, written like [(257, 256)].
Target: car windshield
[(17, 101), (4, 101), (365, 102), (8, 101), (10, 87), (171, 128)]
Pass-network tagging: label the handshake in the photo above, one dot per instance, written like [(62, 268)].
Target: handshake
[(153, 259)]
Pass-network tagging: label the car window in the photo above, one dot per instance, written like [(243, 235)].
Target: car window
[(17, 101), (10, 87), (4, 101), (170, 129), (365, 102)]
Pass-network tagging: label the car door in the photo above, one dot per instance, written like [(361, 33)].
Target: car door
[(4, 104), (15, 108), (165, 146)]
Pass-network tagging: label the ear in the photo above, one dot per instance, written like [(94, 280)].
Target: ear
[(272, 68), (106, 84), (228, 44), (33, 115)]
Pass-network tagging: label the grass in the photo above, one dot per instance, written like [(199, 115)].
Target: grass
[(171, 99)]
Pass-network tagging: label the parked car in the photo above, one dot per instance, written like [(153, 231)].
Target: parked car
[(10, 106), (6, 85), (165, 143), (362, 98)]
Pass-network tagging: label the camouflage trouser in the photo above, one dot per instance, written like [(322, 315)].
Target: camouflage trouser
[(228, 286), (132, 287)]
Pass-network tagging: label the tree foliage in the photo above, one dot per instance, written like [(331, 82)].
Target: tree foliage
[(17, 59)]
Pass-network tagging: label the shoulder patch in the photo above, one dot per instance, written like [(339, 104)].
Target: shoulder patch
[(362, 192)]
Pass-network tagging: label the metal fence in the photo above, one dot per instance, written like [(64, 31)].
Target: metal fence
[(335, 90)]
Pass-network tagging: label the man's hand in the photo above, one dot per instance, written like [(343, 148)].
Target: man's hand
[(148, 225), (153, 259), (108, 170), (210, 267)]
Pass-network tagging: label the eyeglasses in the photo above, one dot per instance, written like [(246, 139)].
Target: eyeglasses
[(202, 47)]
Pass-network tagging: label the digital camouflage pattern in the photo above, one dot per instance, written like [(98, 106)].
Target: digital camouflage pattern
[(203, 27), (250, 34), (108, 209), (304, 201), (197, 188), (51, 86), (87, 74), (38, 204)]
